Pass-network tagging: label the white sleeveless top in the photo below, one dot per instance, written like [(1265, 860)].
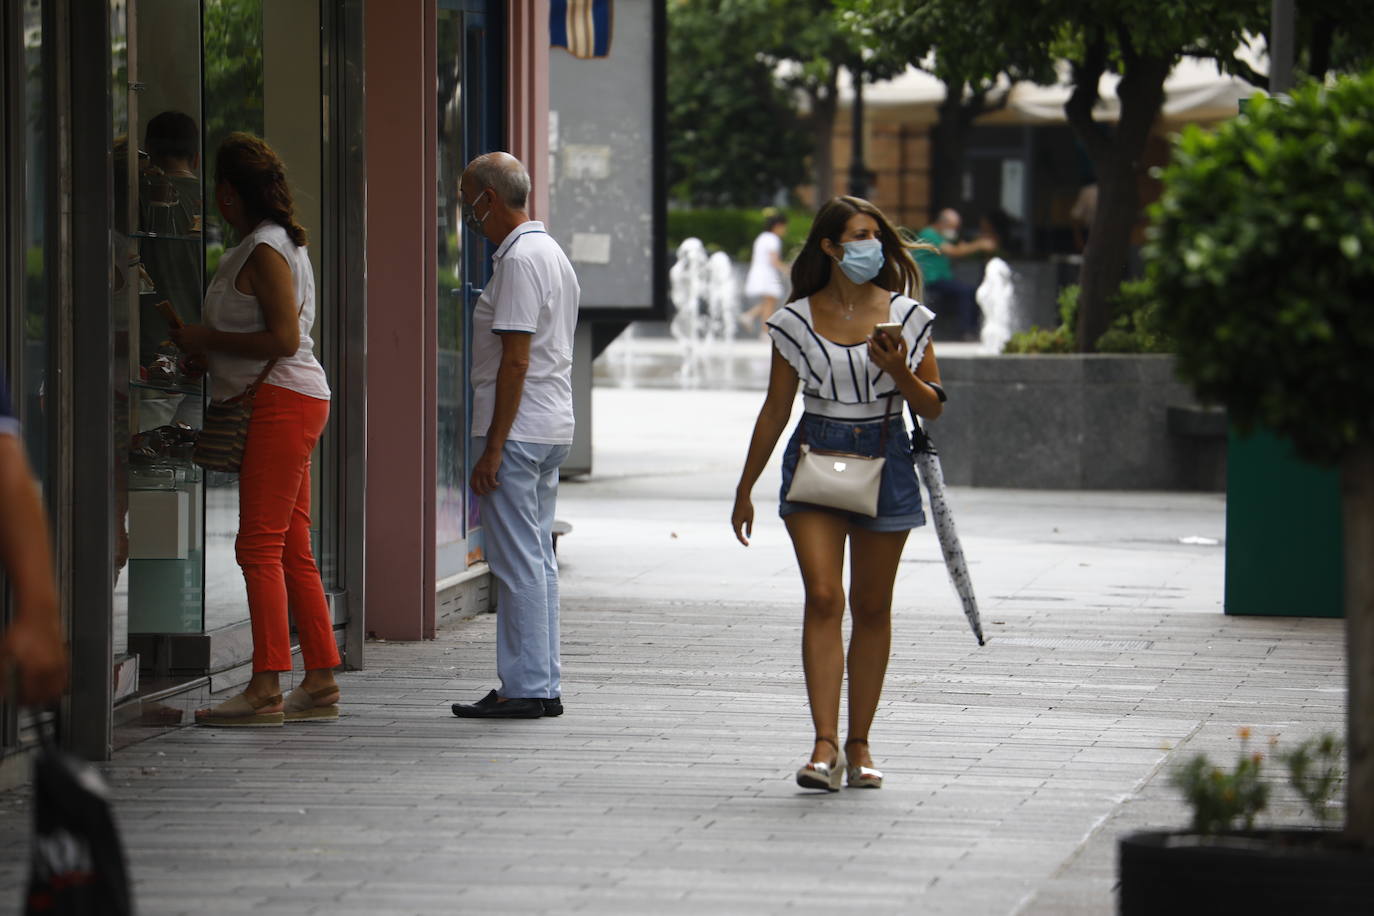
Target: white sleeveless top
[(839, 381), (227, 309)]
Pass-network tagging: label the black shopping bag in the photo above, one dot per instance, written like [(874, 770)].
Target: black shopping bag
[(76, 865)]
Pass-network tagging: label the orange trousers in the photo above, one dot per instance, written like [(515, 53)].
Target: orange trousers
[(273, 545)]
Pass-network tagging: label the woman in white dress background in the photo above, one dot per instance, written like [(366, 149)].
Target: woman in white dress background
[(764, 282)]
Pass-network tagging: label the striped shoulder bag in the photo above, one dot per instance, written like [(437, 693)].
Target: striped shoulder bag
[(224, 434)]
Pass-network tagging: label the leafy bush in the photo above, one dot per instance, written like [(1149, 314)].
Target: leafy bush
[(733, 229), (1315, 772), (1045, 340), (1135, 326), (1220, 798), (1262, 261)]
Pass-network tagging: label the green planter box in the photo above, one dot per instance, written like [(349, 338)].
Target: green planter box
[(1283, 532)]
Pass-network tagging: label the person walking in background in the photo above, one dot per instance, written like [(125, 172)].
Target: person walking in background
[(853, 274), (942, 241), (258, 312), (522, 427), (764, 282), (32, 645)]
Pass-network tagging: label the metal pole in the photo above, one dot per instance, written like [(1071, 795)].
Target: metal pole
[(1281, 47), (858, 172)]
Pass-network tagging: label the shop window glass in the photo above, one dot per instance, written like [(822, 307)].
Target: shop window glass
[(159, 281), (450, 545), (31, 399)]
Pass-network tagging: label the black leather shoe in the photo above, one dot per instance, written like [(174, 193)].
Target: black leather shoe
[(553, 706), (492, 707)]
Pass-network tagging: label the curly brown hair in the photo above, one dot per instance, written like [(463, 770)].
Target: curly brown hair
[(811, 269), (256, 172)]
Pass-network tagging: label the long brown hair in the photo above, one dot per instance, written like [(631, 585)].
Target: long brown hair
[(811, 269), (256, 172)]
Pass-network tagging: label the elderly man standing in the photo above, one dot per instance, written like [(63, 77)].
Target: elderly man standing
[(522, 424)]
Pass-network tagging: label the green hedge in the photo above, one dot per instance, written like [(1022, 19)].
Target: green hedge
[(733, 229)]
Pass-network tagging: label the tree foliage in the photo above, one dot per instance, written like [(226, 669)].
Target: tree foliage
[(733, 131), (233, 81), (233, 69), (1138, 40), (912, 31), (738, 71), (1262, 258)]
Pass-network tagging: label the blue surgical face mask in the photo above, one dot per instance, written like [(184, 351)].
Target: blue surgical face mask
[(862, 259)]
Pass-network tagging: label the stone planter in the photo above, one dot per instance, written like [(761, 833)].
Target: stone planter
[(1076, 422), (1255, 872)]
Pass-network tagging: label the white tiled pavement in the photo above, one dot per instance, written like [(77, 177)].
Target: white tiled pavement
[(667, 786)]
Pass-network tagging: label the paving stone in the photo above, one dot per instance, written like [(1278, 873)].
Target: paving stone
[(667, 787)]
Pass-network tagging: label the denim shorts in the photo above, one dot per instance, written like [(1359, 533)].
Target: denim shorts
[(899, 494)]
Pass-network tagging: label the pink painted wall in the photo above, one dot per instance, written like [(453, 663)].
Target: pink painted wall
[(527, 95), (402, 310)]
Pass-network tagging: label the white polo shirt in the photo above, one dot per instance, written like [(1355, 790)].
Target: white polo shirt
[(533, 290)]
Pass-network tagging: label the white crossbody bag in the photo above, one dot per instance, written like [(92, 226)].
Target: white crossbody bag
[(840, 480)]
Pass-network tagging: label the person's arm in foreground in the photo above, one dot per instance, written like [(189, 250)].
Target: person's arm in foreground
[(773, 417), (510, 386), (33, 641)]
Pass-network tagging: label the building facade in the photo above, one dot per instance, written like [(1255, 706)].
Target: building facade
[(374, 107)]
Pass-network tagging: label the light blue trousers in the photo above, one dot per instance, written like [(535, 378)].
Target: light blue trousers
[(517, 526)]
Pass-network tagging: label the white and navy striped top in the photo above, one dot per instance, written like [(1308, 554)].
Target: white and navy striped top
[(839, 381)]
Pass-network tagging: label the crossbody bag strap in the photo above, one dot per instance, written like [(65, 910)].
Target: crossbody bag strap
[(252, 389), (882, 435), (887, 420)]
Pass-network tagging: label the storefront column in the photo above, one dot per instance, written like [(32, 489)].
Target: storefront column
[(402, 331), (86, 497), (527, 102)]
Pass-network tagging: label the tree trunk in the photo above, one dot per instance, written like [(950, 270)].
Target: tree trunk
[(1109, 247), (824, 104), (1116, 159), (1357, 504), (947, 152)]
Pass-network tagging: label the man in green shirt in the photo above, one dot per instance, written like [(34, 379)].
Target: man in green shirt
[(943, 291)]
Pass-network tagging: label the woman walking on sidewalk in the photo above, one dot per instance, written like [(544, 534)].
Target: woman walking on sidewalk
[(853, 274), (258, 314)]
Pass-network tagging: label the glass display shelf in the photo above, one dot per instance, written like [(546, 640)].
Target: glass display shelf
[(166, 236), (164, 474), (166, 550), (183, 387)]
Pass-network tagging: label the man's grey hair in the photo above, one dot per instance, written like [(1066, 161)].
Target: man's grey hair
[(505, 175)]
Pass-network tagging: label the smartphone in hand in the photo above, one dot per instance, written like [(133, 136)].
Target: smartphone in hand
[(893, 330)]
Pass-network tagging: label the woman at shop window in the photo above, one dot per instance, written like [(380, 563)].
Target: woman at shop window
[(853, 274), (258, 313)]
